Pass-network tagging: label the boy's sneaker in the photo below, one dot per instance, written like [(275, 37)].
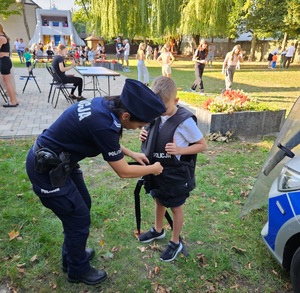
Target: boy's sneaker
[(171, 251), (151, 235), (192, 90)]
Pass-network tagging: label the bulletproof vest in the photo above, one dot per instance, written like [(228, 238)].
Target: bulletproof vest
[(154, 146), (180, 171)]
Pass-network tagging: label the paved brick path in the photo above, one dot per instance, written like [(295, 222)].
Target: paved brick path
[(34, 112)]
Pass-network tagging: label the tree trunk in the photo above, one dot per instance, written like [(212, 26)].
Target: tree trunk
[(284, 41), (25, 19), (252, 50), (196, 39)]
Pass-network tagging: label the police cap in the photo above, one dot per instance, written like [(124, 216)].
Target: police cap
[(141, 101)]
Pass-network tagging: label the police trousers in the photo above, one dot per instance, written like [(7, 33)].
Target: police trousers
[(71, 204)]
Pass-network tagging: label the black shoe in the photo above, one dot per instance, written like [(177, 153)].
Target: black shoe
[(171, 251), (73, 97), (151, 235), (80, 98), (89, 251), (93, 277)]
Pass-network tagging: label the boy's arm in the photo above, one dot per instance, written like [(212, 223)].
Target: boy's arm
[(197, 147)]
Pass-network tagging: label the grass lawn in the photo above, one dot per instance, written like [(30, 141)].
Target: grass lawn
[(226, 253)]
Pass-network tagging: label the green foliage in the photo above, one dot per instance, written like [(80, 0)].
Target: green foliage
[(265, 17), (292, 18), (5, 8)]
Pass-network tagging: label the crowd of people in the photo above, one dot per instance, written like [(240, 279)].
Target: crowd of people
[(83, 55)]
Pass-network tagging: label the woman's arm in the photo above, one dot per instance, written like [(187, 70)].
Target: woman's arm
[(124, 170), (171, 58), (225, 63), (138, 157), (62, 68)]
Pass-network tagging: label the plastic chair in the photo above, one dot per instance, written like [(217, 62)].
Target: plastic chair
[(3, 94), (60, 86), (30, 76)]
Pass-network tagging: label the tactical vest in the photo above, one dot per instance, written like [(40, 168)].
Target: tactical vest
[(178, 176)]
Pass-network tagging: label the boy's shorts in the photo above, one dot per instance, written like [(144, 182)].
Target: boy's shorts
[(126, 57), (120, 55), (169, 201), (28, 63)]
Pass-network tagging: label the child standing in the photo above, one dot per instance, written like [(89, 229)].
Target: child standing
[(173, 140), (27, 57), (76, 56), (166, 59), (274, 60)]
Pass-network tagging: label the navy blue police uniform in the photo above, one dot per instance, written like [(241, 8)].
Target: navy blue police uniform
[(86, 129)]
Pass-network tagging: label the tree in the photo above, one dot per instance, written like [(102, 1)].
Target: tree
[(205, 18), (264, 18), (292, 17), (5, 10)]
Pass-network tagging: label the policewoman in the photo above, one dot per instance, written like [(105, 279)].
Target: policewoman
[(87, 129)]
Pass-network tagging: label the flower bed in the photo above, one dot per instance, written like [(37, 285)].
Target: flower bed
[(234, 111)]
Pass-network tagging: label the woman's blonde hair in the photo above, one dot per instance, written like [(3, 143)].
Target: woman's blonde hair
[(61, 47), (1, 31), (233, 51), (141, 45)]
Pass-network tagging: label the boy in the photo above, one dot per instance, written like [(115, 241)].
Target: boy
[(274, 60), (175, 146), (27, 57)]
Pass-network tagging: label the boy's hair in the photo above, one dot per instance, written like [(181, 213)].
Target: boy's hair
[(165, 88)]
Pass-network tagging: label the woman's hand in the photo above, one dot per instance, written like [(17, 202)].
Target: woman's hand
[(159, 168), (140, 158)]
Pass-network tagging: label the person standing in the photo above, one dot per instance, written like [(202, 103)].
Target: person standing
[(126, 55), (166, 59), (120, 50), (143, 74), (60, 68), (91, 56), (149, 52), (289, 55), (5, 69), (200, 60), (276, 50), (274, 60), (21, 49), (176, 138), (282, 58), (211, 53), (229, 65), (87, 129), (27, 57), (16, 44)]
